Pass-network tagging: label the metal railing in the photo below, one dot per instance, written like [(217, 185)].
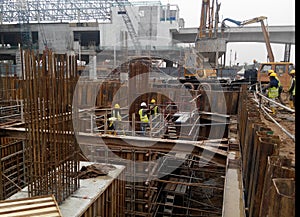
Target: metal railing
[(11, 111), (261, 100)]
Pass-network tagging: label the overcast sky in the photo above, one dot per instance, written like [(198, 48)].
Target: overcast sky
[(278, 12)]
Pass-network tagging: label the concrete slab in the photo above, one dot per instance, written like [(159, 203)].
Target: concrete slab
[(233, 202)]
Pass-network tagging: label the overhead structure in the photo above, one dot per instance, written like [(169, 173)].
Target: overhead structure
[(57, 11)]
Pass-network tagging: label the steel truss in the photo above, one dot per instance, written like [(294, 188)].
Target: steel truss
[(55, 10)]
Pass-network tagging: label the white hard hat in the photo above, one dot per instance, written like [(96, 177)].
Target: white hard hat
[(143, 104)]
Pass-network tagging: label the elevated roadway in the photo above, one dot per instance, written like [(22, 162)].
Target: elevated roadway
[(278, 34)]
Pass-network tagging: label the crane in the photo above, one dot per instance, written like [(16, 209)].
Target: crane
[(260, 19)]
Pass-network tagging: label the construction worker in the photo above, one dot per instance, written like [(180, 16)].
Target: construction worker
[(292, 89), (113, 124), (280, 88), (143, 113), (273, 92), (153, 107)]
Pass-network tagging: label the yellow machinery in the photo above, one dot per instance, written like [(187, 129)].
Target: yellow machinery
[(282, 69)]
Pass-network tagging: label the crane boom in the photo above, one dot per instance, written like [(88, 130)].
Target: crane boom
[(263, 27)]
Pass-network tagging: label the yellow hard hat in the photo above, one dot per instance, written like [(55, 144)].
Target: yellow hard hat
[(292, 72), (270, 71), (117, 106), (152, 101), (273, 74)]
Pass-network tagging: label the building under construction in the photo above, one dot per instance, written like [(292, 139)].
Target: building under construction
[(207, 152)]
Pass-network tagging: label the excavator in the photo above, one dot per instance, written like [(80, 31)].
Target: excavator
[(282, 69)]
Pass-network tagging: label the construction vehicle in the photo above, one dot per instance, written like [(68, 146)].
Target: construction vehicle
[(281, 68), (197, 67)]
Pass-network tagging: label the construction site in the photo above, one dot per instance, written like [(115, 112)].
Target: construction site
[(105, 112)]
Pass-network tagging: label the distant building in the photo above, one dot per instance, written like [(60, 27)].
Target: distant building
[(151, 21)]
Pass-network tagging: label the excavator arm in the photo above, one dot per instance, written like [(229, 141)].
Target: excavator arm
[(263, 27)]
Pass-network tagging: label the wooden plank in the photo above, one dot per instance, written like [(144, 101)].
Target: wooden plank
[(37, 212), (20, 202), (26, 206), (42, 206)]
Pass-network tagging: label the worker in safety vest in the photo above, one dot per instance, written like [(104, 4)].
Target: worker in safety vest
[(273, 92), (144, 120), (153, 107), (292, 89), (113, 123), (280, 88)]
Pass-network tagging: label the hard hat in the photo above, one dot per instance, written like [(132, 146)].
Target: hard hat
[(273, 74), (117, 106), (270, 71), (292, 72), (143, 104), (152, 100)]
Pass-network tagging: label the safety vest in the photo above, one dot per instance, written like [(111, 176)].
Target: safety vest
[(143, 118), (294, 89), (154, 110), (279, 84), (273, 92)]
